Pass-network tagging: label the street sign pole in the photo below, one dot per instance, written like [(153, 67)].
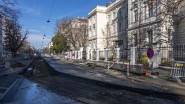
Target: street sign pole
[(150, 54)]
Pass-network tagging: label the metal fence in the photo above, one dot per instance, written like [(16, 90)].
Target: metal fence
[(179, 53), (167, 55), (111, 55), (139, 52), (94, 54), (178, 70), (125, 56), (101, 53)]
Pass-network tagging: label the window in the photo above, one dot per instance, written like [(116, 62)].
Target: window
[(94, 19), (109, 18), (150, 10), (113, 29), (150, 36), (158, 7), (119, 13), (135, 39), (114, 15), (136, 15), (93, 26), (119, 27)]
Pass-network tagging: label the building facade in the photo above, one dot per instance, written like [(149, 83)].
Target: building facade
[(158, 24), (145, 27), (107, 26), (179, 35)]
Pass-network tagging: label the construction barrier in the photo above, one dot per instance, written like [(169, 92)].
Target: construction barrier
[(178, 70)]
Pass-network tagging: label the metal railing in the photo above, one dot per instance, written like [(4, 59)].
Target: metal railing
[(178, 70)]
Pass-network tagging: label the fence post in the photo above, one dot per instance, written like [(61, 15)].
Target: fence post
[(97, 55), (76, 54), (155, 57), (81, 52), (133, 55), (88, 53), (105, 54), (117, 55)]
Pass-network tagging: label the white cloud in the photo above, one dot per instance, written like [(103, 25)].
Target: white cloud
[(34, 31), (37, 39)]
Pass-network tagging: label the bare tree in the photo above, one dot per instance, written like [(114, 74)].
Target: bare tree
[(78, 35), (62, 23), (26, 48), (75, 30), (14, 39), (6, 8), (106, 34)]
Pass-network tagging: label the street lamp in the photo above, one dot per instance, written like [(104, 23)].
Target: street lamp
[(48, 21)]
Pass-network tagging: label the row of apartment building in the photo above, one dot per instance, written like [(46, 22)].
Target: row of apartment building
[(134, 23), (125, 23)]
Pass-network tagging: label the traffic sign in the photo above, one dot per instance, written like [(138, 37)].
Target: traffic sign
[(150, 53)]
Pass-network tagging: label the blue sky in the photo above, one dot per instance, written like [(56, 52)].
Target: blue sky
[(35, 13)]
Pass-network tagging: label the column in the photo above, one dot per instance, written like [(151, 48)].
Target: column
[(91, 54), (81, 52), (88, 53), (97, 55), (133, 55), (117, 55), (105, 54)]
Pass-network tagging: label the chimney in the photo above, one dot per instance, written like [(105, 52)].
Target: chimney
[(109, 3)]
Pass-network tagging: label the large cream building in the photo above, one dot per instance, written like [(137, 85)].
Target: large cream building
[(107, 26)]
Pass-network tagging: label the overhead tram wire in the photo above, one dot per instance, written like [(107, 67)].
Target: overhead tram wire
[(51, 11), (48, 21)]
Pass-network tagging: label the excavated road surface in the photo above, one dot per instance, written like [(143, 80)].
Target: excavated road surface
[(92, 93)]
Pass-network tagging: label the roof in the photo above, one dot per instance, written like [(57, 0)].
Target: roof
[(63, 26), (81, 20)]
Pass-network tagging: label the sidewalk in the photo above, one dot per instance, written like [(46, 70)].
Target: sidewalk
[(9, 78), (16, 66), (119, 78)]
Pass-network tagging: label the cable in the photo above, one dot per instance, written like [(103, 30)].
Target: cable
[(48, 21), (51, 10)]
